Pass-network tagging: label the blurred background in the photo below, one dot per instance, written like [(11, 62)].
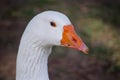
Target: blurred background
[(96, 21)]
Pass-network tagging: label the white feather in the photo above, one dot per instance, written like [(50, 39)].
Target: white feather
[(36, 45)]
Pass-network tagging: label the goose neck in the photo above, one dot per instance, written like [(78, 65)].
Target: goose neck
[(32, 60)]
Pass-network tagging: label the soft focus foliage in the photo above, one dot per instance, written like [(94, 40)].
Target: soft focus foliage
[(96, 21)]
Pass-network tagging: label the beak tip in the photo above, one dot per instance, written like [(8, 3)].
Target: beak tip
[(86, 51)]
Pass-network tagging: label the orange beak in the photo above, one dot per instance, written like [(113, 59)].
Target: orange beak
[(72, 40)]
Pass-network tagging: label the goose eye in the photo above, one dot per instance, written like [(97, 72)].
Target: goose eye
[(53, 24)]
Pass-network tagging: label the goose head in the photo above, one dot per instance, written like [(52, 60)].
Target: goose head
[(54, 28)]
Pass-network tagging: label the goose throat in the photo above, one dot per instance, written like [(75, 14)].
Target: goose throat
[(32, 60)]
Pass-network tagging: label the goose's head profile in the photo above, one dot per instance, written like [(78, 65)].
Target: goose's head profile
[(45, 30), (54, 28)]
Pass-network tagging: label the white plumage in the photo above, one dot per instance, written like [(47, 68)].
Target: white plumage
[(43, 31)]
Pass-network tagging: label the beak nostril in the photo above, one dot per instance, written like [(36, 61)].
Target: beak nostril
[(68, 44), (74, 40)]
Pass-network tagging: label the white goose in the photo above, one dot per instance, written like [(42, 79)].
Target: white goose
[(43, 31)]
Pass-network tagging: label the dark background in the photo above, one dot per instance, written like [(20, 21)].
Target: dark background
[(96, 21)]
